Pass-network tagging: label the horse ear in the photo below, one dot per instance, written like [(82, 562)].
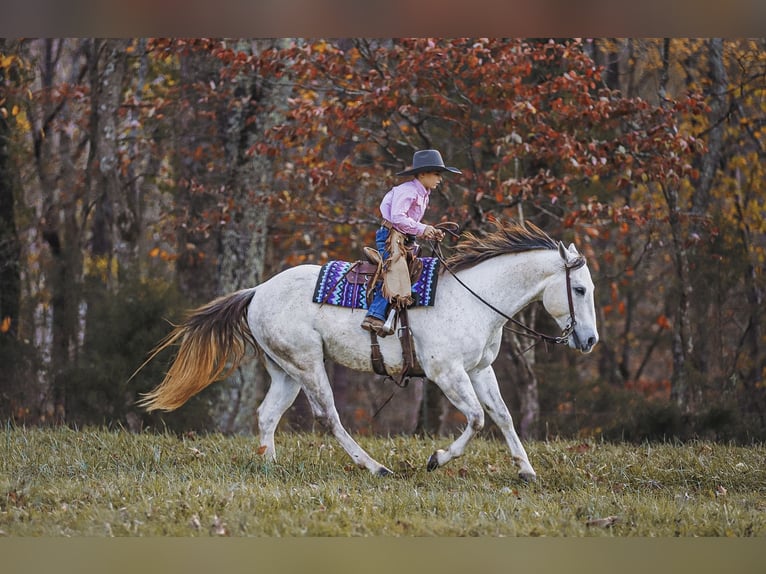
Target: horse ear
[(573, 249), (563, 251)]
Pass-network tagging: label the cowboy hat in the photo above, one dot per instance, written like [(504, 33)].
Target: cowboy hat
[(427, 160)]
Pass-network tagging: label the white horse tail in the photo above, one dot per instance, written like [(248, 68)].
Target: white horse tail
[(212, 337)]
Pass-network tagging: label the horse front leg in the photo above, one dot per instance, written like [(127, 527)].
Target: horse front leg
[(486, 387), (456, 386)]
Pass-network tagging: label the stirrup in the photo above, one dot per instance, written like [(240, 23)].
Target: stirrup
[(389, 326)]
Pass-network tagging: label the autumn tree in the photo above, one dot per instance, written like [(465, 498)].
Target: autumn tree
[(715, 213), (531, 124), (55, 131), (220, 103), (10, 250), (236, 181), (10, 279), (139, 172), (9, 244)]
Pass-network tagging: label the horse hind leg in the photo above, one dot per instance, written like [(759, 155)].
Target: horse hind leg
[(289, 378), (282, 393), (319, 394)]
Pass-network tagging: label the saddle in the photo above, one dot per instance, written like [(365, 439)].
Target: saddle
[(350, 285), (371, 271)]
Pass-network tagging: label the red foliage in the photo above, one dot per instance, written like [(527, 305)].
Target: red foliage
[(528, 122), (651, 388), (525, 121)]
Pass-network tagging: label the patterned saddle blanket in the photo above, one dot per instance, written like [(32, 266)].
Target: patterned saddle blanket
[(344, 284)]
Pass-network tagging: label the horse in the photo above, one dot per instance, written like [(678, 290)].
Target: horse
[(483, 283)]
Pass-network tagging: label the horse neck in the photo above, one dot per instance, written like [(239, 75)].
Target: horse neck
[(512, 281)]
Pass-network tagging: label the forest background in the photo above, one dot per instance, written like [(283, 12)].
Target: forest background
[(142, 177)]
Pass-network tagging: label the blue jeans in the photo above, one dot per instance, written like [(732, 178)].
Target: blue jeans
[(379, 306)]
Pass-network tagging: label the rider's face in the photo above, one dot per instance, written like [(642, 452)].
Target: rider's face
[(430, 180)]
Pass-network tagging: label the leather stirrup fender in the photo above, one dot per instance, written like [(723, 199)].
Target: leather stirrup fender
[(375, 355), (411, 366)]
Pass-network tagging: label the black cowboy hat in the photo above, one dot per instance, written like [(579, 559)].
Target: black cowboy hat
[(427, 160)]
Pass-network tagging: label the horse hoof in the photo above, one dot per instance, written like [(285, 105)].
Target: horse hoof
[(383, 471), (528, 476), (433, 463)]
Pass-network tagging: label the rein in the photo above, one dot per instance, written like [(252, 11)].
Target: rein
[(526, 331)]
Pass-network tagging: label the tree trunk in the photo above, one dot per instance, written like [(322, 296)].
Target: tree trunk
[(525, 380), (753, 365), (134, 223), (683, 345), (709, 162), (242, 251), (719, 84), (62, 212), (106, 65)]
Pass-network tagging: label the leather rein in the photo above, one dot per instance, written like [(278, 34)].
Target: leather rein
[(525, 330)]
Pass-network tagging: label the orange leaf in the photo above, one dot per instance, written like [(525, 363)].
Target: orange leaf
[(603, 522), (262, 449), (663, 322), (5, 326)]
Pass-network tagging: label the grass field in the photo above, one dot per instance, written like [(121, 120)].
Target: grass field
[(60, 483)]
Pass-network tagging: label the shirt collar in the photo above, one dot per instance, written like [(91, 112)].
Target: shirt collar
[(421, 189)]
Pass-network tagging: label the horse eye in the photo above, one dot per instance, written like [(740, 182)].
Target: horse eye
[(579, 291)]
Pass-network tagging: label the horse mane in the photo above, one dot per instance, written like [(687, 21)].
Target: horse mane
[(509, 237)]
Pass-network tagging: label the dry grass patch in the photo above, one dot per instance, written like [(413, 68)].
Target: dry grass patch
[(60, 482)]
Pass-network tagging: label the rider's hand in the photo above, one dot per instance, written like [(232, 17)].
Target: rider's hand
[(430, 232)]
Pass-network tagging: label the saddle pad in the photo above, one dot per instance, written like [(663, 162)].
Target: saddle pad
[(334, 288)]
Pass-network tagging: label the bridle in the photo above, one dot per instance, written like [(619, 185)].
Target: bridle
[(526, 331)]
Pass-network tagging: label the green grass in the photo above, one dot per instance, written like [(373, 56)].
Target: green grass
[(60, 482)]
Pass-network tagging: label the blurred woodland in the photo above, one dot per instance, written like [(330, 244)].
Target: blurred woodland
[(142, 177)]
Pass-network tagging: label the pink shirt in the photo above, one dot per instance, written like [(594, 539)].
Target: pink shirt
[(405, 205)]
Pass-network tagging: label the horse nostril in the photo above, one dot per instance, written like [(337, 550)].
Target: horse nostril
[(591, 342)]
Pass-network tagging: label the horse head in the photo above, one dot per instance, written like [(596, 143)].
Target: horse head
[(568, 297)]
